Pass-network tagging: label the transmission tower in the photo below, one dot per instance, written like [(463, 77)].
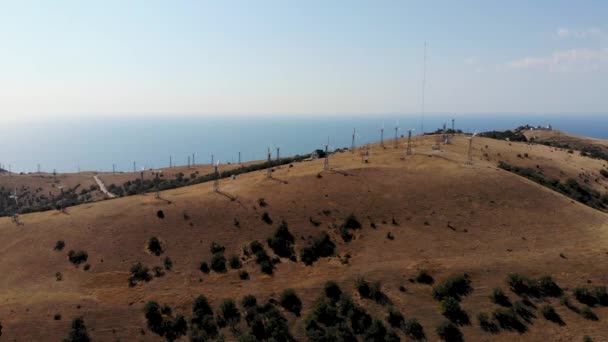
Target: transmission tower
[(382, 136), (470, 150), (326, 160), (409, 142), (216, 181), (269, 170), (352, 146)]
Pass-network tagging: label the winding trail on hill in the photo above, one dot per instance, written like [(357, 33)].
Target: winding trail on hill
[(102, 187)]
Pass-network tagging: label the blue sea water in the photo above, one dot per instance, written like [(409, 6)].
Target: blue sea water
[(97, 143)]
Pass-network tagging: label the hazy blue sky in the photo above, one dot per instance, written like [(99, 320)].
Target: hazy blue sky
[(309, 57)]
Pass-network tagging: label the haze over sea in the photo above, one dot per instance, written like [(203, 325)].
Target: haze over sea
[(97, 143)]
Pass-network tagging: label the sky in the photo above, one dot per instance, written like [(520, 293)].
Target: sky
[(129, 58)]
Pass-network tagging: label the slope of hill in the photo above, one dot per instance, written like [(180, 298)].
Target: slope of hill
[(428, 211)]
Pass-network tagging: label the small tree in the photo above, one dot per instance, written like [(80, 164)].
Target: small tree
[(204, 267), (78, 331), (77, 257), (218, 263), (235, 262), (448, 332), (290, 301), (154, 246), (59, 245), (229, 312)]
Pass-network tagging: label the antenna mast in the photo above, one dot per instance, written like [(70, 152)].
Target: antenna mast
[(397, 135), (382, 136), (269, 170), (423, 89), (352, 146), (409, 142), (216, 181), (326, 161)]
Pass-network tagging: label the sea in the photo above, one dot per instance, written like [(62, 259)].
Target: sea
[(103, 143)]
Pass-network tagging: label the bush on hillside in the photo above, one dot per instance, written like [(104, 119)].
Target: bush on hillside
[(204, 267), (282, 242), (486, 324), (154, 246), (218, 263), (266, 218), (424, 277), (59, 245), (499, 297), (139, 272), (455, 287), (216, 248), (321, 247), (350, 223), (448, 332), (235, 262), (290, 301), (229, 312), (78, 331), (77, 257)]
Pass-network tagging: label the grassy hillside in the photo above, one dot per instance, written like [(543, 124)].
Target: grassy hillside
[(428, 236)]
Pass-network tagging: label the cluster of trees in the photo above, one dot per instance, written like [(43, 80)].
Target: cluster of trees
[(505, 135), (336, 317), (571, 188), (35, 201)]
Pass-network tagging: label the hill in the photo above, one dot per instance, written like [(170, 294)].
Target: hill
[(429, 211)]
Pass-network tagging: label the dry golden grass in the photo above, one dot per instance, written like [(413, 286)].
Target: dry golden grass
[(452, 217)]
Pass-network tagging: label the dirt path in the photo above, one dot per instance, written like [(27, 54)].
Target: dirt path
[(102, 187)]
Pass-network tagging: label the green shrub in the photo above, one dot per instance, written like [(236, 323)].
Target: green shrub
[(450, 308), (249, 302), (59, 245), (262, 203), (216, 248), (229, 312), (154, 246), (486, 324), (523, 286), (604, 172), (498, 297), (584, 295), (548, 287), (204, 267), (243, 275), (235, 262), (507, 319), (139, 272), (321, 247), (395, 318), (78, 331), (424, 277), (77, 257), (158, 271), (261, 258), (218, 263), (587, 313), (202, 320), (290, 301), (414, 330), (350, 223), (282, 242), (370, 290), (168, 263), (314, 222), (550, 314), (455, 286), (332, 291), (266, 218), (447, 331)]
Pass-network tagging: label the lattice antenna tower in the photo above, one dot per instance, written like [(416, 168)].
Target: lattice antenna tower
[(269, 170), (409, 142), (216, 181), (470, 150)]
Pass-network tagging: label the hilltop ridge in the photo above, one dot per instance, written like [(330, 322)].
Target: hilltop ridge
[(429, 211)]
